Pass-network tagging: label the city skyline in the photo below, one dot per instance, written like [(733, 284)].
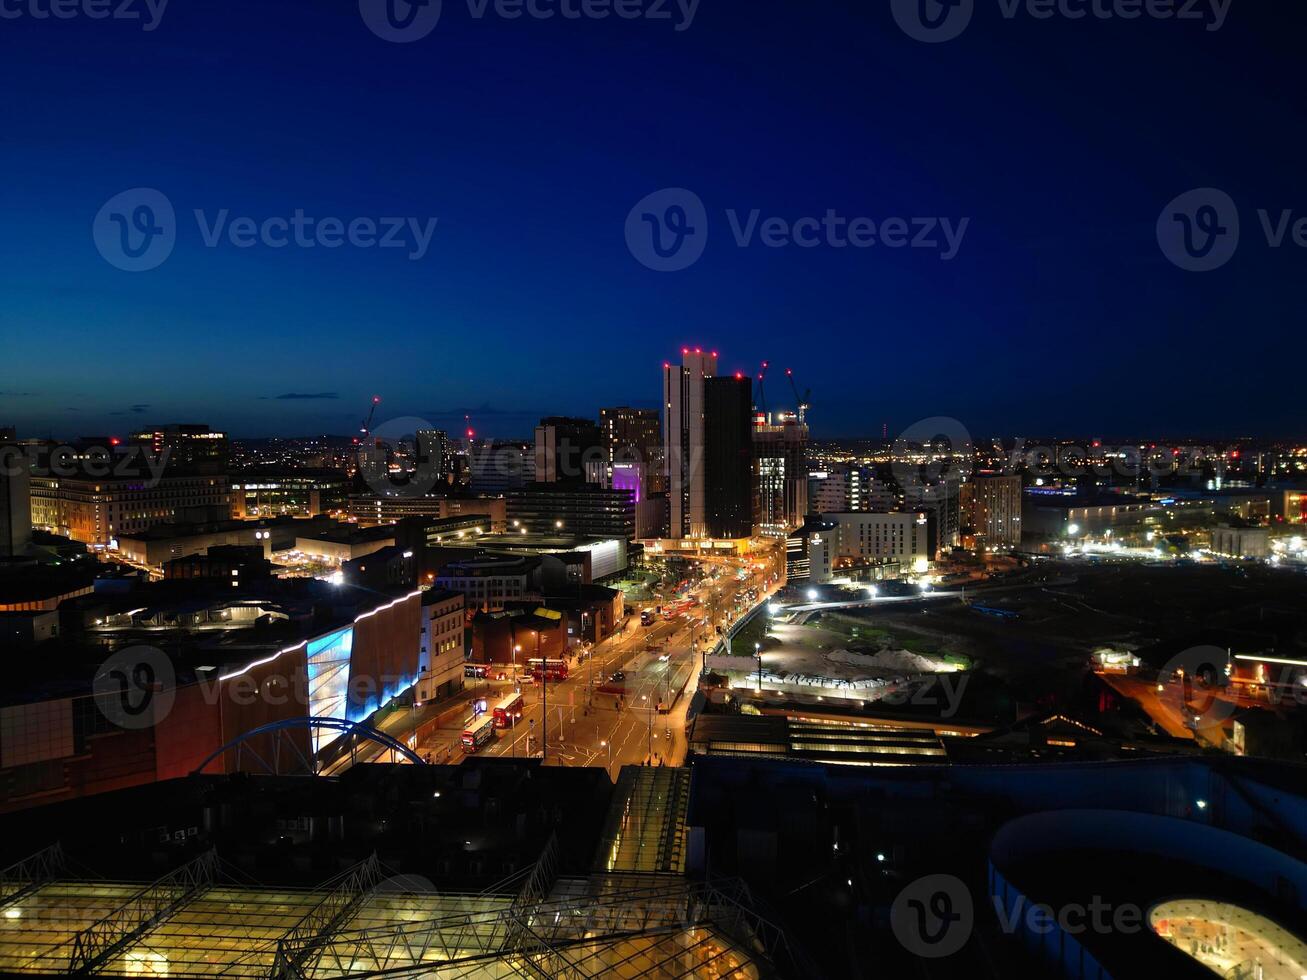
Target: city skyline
[(653, 489), (1057, 310)]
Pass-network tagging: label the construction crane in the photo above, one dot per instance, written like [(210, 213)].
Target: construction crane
[(366, 426), (802, 402), (762, 395)]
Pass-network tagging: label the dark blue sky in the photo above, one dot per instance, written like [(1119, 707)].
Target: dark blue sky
[(531, 140)]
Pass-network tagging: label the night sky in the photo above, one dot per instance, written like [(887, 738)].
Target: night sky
[(530, 141)]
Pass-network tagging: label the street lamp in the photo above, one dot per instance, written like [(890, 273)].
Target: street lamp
[(645, 697), (757, 652), (544, 695), (603, 742)]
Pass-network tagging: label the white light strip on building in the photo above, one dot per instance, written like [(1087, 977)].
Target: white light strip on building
[(1270, 660), (395, 602), (265, 660), (304, 643)]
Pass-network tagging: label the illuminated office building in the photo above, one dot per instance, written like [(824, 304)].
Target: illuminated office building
[(683, 441)]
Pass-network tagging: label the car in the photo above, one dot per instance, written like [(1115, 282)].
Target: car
[(618, 675)]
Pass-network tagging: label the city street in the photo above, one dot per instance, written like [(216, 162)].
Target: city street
[(587, 726)]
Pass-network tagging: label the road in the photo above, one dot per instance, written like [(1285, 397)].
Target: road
[(586, 727)]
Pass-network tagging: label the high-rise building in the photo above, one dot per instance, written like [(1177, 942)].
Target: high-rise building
[(435, 453), (780, 473), (186, 448), (728, 456), (850, 486), (683, 446), (563, 446), (633, 435), (15, 502), (495, 467), (942, 503), (991, 512)]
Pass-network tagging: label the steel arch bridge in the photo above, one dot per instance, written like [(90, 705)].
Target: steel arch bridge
[(310, 762)]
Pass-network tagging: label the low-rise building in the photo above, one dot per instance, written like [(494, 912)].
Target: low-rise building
[(902, 537), (299, 492), (100, 511), (373, 509), (1232, 541), (490, 581), (441, 655), (517, 634), (585, 509), (345, 542)]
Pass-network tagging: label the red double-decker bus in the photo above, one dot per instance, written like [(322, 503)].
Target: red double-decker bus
[(508, 712), (478, 733), (550, 670)]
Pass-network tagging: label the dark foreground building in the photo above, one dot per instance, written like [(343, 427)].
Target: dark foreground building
[(1181, 867)]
